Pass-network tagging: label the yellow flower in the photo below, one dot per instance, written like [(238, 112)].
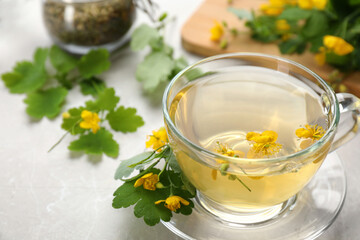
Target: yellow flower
[(173, 202), (282, 25), (158, 139), (338, 45), (291, 2), (314, 132), (90, 121), (148, 181), (305, 4), (226, 151), (217, 31), (310, 4), (274, 8), (319, 4), (320, 57), (264, 143), (66, 115)]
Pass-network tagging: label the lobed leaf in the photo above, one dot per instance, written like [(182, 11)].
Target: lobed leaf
[(71, 124), (92, 86), (26, 77), (295, 14), (142, 36), (145, 207), (62, 61), (94, 62), (316, 25), (124, 170), (106, 101), (124, 119), (45, 102), (40, 56), (96, 143), (155, 69)]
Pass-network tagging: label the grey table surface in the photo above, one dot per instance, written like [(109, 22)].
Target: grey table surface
[(60, 195)]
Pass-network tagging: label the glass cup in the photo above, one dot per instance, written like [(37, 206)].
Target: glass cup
[(252, 191)]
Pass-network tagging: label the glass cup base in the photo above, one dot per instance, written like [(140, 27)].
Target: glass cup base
[(242, 218), (305, 216)]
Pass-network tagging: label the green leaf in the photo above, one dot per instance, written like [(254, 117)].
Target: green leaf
[(241, 13), (180, 64), (338, 61), (106, 101), (173, 163), (62, 61), (342, 8), (92, 106), (355, 29), (175, 179), (142, 36), (92, 86), (354, 2), (71, 124), (158, 44), (294, 14), (40, 56), (96, 143), (94, 62), (62, 78), (316, 43), (152, 212), (155, 69), (26, 77), (295, 45), (263, 28), (45, 102), (316, 25), (127, 195), (124, 119), (124, 170), (188, 186)]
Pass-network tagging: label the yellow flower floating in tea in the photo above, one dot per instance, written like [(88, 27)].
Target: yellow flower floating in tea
[(314, 132), (158, 139), (225, 150), (311, 133), (264, 143), (90, 121), (148, 181), (173, 202)]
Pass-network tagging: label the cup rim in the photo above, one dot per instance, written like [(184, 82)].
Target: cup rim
[(328, 134)]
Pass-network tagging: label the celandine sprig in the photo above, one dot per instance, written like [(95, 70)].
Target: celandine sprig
[(149, 186)]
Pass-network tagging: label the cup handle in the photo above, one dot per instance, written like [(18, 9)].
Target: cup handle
[(349, 119)]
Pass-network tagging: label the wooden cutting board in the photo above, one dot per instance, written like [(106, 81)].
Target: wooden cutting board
[(195, 36)]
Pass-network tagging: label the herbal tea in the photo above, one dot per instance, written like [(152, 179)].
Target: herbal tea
[(252, 113)]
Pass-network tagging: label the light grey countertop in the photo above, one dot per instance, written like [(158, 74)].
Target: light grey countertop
[(60, 195)]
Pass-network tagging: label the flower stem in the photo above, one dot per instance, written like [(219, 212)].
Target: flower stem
[(243, 184), (142, 173), (59, 141)]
